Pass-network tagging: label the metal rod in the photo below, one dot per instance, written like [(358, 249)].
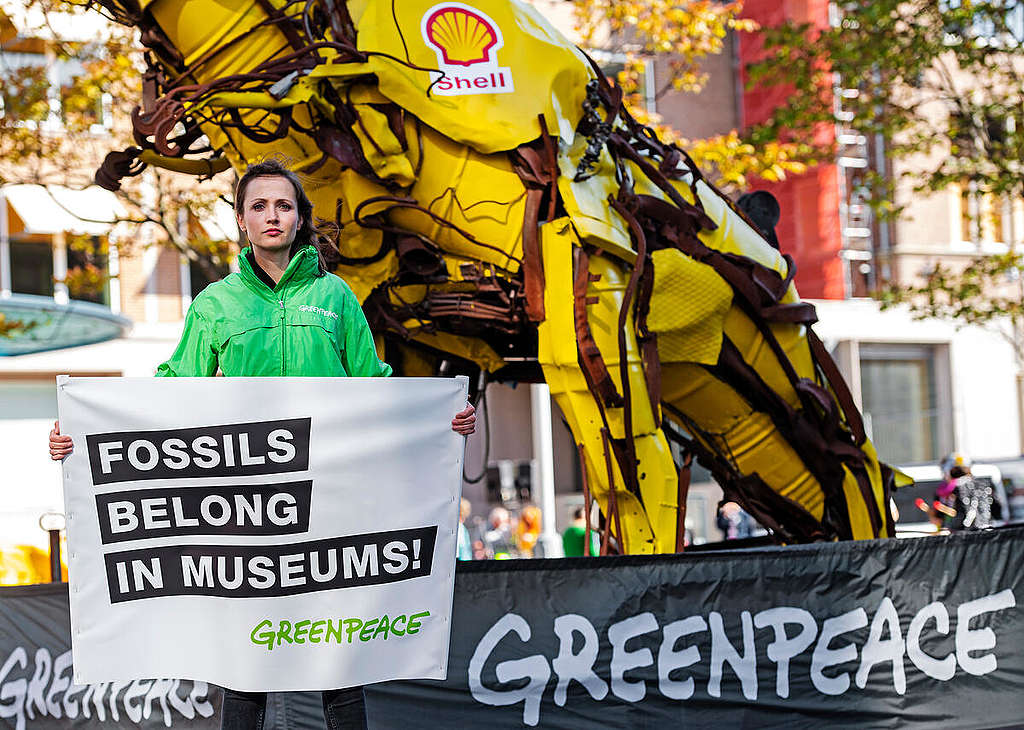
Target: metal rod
[(55, 572)]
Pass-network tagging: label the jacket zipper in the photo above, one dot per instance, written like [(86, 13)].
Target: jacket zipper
[(281, 302)]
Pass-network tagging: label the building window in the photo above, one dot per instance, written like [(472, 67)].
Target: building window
[(984, 217), (614, 63), (996, 23), (199, 279), (88, 274), (24, 399), (32, 268), (993, 208), (967, 215), (907, 401)]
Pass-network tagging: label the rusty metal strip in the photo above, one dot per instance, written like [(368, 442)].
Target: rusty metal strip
[(551, 155), (839, 386), (285, 25), (628, 463), (788, 521), (682, 494), (613, 501), (533, 265), (648, 341), (599, 380), (586, 497), (888, 485), (822, 453)]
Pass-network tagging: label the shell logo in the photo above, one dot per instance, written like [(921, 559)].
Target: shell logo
[(466, 42), (463, 36)]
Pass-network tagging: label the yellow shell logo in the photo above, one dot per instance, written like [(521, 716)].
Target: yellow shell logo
[(463, 36)]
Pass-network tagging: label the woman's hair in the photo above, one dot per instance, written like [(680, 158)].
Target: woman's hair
[(311, 232)]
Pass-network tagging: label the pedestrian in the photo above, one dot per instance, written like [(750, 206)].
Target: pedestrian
[(961, 502), (498, 537), (734, 522), (465, 547), (528, 531), (574, 537), (283, 277)]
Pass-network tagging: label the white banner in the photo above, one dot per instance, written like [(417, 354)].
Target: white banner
[(261, 533)]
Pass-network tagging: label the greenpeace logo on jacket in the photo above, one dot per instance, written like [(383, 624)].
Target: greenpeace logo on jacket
[(324, 312)]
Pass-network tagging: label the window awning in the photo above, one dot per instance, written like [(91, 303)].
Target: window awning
[(55, 209), (220, 224), (31, 323)]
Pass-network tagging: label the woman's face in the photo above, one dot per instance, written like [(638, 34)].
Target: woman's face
[(270, 215)]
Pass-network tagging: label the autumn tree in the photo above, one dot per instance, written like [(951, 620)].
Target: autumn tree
[(932, 81), (685, 34), (938, 86), (69, 80)]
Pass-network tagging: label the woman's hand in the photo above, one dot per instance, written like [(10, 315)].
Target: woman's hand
[(60, 446), (464, 422)]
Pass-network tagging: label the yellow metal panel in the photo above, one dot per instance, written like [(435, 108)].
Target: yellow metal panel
[(556, 335), (688, 308), (470, 348), (734, 235), (476, 193), (364, 278), (381, 147), (586, 202)]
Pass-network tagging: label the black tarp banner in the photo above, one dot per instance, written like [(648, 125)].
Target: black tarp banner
[(925, 632), (35, 676)]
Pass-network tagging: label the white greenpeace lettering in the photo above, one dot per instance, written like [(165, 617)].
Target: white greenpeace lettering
[(578, 666), (624, 660), (878, 650), (968, 639), (942, 669), (722, 651), (802, 648), (535, 668), (825, 657), (31, 692), (669, 659), (786, 647), (325, 312)]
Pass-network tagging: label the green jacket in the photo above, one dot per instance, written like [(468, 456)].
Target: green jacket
[(307, 325)]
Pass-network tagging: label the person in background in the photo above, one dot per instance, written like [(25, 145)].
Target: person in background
[(961, 501), (734, 523), (498, 537), (528, 531), (476, 536), (574, 537), (465, 547)]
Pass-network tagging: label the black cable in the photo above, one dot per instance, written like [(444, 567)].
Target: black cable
[(398, 27)]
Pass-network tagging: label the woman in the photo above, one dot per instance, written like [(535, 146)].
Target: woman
[(281, 314)]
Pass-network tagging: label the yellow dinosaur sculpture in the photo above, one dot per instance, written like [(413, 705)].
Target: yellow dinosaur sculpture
[(501, 212)]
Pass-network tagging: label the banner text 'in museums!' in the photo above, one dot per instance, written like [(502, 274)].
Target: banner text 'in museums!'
[(783, 634), (231, 571)]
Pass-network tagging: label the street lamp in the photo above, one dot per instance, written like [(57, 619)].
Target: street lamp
[(53, 523)]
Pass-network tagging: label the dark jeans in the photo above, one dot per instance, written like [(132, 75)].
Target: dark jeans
[(344, 709)]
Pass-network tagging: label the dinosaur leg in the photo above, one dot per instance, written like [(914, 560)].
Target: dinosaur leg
[(578, 348)]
